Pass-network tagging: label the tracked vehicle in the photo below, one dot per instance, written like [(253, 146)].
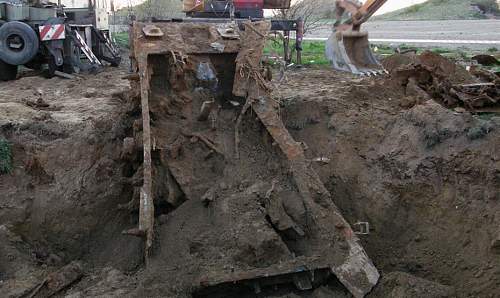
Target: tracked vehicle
[(215, 150)]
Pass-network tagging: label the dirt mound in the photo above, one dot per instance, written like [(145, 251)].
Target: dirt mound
[(415, 174), (430, 75), (437, 64), (60, 199)]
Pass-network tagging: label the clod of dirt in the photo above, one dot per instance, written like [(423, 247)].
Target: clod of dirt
[(487, 60), (90, 92), (495, 244), (439, 65), (483, 75)]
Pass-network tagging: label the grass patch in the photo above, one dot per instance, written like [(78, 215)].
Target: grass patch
[(122, 39), (5, 156), (313, 52), (458, 53)]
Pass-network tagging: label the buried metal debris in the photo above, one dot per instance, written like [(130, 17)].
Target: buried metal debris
[(176, 99), (57, 281)]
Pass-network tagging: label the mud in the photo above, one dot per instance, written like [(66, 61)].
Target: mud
[(425, 177)]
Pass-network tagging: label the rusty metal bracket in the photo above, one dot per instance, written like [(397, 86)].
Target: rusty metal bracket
[(361, 228)]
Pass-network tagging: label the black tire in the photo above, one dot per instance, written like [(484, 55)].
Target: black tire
[(18, 43), (8, 72)]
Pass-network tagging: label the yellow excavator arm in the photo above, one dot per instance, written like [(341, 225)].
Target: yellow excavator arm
[(359, 12)]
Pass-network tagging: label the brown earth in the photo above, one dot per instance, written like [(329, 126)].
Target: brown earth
[(60, 201), (426, 179)]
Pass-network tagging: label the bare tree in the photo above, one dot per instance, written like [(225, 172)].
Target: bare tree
[(310, 11)]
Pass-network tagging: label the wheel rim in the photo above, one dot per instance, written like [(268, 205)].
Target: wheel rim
[(15, 43)]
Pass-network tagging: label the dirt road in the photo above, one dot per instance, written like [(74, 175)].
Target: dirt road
[(474, 34)]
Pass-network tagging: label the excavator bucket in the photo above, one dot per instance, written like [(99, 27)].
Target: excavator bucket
[(350, 51)]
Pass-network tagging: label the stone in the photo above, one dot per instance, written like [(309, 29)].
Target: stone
[(495, 244)]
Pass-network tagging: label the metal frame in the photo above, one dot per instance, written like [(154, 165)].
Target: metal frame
[(276, 25)]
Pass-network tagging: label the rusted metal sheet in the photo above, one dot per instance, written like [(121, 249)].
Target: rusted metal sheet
[(57, 281), (187, 38), (302, 273), (146, 206)]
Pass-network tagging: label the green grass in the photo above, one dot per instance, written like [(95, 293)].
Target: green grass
[(5, 156), (313, 52), (458, 53), (443, 10), (121, 39)]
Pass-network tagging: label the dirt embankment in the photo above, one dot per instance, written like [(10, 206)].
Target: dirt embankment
[(426, 178), (60, 201)]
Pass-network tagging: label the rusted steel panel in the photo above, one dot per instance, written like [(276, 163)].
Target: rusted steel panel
[(187, 38), (146, 207)]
